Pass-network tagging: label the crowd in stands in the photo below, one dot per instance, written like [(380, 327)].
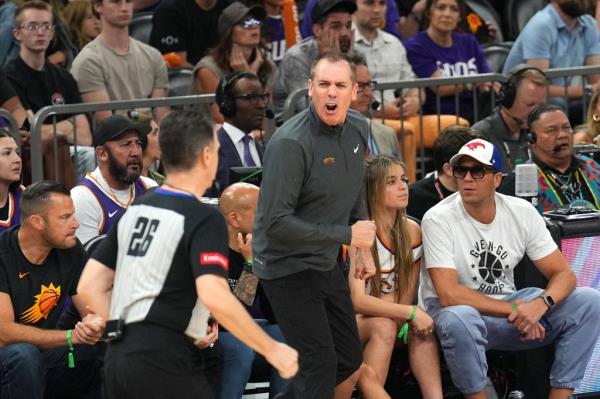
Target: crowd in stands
[(252, 55)]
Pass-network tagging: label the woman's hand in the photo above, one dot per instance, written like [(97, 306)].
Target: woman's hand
[(422, 324), (258, 61), (237, 61)]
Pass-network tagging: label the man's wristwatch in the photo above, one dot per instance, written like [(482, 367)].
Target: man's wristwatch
[(548, 300)]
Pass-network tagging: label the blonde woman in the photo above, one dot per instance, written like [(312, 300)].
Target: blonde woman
[(385, 302)]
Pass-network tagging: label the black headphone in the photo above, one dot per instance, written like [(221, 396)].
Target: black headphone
[(508, 91), (223, 95), (535, 114)]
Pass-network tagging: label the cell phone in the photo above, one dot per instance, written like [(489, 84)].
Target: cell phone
[(114, 330)]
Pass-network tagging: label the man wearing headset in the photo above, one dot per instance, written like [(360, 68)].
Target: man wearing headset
[(525, 89), (563, 178), (242, 100)]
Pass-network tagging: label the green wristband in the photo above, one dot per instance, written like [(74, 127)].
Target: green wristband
[(514, 307), (403, 333), (71, 357), (413, 313)]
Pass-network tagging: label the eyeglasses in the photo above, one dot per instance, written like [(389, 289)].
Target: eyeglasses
[(477, 172), (250, 23), (363, 85), (35, 27), (253, 98)]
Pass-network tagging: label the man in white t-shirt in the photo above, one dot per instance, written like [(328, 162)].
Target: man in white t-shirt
[(102, 196), (472, 242)]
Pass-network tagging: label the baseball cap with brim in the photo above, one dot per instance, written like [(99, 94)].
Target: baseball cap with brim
[(117, 125), (324, 7), (234, 13), (481, 151)]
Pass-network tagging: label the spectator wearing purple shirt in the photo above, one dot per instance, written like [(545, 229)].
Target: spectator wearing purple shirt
[(392, 16), (439, 51), (274, 31)]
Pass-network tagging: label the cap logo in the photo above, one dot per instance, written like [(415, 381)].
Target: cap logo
[(473, 145)]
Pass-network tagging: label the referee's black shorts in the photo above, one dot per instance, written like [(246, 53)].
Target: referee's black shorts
[(315, 314), (154, 362)]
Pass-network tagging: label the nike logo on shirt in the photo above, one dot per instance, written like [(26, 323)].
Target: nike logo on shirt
[(22, 275), (356, 149), (111, 214)]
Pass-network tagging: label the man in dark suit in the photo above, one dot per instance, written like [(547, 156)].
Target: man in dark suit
[(242, 100)]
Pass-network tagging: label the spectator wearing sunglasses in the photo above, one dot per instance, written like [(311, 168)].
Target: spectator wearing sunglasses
[(242, 100), (240, 50), (473, 240)]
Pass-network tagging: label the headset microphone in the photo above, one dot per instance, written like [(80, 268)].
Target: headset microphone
[(269, 114), (375, 105)]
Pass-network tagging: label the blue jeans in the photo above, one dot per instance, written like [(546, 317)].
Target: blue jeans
[(465, 335), (31, 373), (239, 359)]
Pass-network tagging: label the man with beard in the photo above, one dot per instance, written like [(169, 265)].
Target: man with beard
[(560, 36), (332, 31), (102, 196), (242, 100)]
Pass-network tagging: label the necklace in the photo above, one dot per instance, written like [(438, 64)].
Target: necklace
[(114, 195), (568, 184)]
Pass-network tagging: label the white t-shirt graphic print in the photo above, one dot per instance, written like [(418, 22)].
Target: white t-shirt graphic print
[(484, 255)]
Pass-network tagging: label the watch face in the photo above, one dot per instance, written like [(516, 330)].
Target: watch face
[(549, 300)]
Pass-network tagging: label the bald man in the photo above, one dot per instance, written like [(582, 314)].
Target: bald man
[(238, 206)]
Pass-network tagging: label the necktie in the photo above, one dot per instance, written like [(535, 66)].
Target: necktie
[(248, 161)]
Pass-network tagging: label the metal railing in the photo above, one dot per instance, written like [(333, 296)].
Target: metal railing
[(74, 109), (471, 81)]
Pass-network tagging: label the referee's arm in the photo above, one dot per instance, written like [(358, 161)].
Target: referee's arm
[(95, 287)]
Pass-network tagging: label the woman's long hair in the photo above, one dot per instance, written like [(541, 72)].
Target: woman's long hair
[(222, 52), (376, 173), (74, 14)]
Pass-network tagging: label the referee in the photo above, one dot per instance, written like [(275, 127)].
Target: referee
[(162, 268)]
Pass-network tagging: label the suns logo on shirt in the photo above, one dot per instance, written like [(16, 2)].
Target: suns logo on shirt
[(214, 258), (45, 301)]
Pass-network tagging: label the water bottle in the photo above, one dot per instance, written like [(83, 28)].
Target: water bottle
[(516, 395)]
